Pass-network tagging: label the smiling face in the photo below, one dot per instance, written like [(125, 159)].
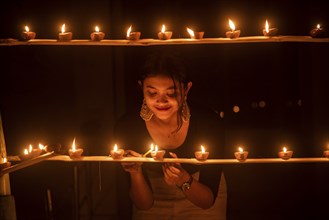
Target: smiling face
[(162, 97)]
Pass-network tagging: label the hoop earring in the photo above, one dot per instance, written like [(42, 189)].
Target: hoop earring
[(145, 112), (185, 111)]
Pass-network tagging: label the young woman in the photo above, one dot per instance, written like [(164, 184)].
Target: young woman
[(166, 119)]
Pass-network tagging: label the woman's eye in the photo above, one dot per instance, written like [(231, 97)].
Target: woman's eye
[(152, 94), (172, 95)]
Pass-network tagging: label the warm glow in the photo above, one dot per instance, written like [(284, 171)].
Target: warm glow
[(163, 28), (202, 149), (63, 28), (30, 148), (73, 145), (236, 109), (41, 146), (266, 27), (156, 148), (128, 31), (115, 147), (152, 147), (284, 149), (27, 29), (26, 152), (97, 29), (5, 160), (232, 26), (318, 26), (240, 149), (191, 32)]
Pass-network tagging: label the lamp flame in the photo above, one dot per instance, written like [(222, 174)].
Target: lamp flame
[(163, 28), (26, 152), (241, 149), (266, 27), (30, 148), (73, 145), (128, 31), (232, 26), (318, 26), (115, 147), (97, 29), (41, 146), (63, 28), (156, 148), (191, 32), (202, 149), (284, 149), (27, 29)]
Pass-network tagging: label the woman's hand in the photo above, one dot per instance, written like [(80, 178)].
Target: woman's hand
[(132, 167), (174, 174)]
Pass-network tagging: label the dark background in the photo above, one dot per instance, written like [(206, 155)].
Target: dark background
[(52, 94)]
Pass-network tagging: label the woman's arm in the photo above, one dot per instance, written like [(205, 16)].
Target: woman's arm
[(140, 191), (199, 194)]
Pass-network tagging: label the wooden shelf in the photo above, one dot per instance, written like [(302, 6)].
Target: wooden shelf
[(153, 42), (64, 158)]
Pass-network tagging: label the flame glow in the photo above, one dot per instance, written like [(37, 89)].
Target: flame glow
[(163, 28), (5, 160), (115, 147), (26, 152), (156, 148), (266, 27), (27, 29), (128, 31), (30, 148), (63, 28), (318, 26), (73, 145), (202, 149), (41, 146), (191, 32), (241, 149), (97, 29), (284, 149), (232, 26)]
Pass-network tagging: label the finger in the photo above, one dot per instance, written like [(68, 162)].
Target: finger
[(168, 172), (173, 155), (132, 153)]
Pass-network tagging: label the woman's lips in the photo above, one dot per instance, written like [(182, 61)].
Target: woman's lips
[(162, 108)]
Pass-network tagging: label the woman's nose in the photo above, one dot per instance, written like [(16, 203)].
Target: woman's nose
[(162, 98)]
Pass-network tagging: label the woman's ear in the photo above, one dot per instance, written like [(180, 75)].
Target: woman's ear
[(188, 87)]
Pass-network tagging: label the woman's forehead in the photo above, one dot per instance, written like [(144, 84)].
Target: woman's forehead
[(159, 81)]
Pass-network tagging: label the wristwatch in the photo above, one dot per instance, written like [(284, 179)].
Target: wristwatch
[(187, 185)]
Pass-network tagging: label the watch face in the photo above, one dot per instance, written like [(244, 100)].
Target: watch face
[(186, 186)]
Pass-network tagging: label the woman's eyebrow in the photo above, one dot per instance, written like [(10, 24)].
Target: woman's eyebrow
[(152, 87)]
